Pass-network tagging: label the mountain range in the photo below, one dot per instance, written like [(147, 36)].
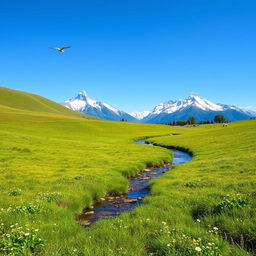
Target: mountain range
[(193, 105)]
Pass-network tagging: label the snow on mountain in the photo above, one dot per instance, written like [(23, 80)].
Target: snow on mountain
[(170, 107), (165, 112), (193, 100), (83, 101), (140, 114), (226, 107), (251, 111), (84, 104), (202, 109)]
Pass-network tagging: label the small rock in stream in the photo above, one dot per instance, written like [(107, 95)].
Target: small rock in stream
[(145, 178), (89, 213), (132, 201)]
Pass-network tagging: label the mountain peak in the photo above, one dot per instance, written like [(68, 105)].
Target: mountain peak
[(193, 100), (193, 95), (82, 95), (84, 104)]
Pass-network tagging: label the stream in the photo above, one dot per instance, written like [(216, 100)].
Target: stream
[(112, 206)]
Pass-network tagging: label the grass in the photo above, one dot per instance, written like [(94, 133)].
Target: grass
[(52, 165), (218, 187)]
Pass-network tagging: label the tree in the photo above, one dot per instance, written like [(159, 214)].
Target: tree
[(191, 120), (182, 122), (219, 119)]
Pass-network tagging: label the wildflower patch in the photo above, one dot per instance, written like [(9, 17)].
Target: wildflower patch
[(18, 240), (178, 242), (30, 208)]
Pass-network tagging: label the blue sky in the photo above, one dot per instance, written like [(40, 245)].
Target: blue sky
[(132, 54)]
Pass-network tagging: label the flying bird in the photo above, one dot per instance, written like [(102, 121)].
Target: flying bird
[(62, 49)]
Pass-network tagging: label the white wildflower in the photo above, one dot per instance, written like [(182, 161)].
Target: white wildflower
[(198, 249)]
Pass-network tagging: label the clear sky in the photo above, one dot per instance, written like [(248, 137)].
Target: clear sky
[(132, 54)]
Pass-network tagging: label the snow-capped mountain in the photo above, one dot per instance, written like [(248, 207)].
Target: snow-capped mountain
[(194, 105), (141, 114), (84, 104), (192, 100)]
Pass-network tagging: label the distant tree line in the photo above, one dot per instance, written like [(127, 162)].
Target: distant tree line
[(192, 120), (206, 122)]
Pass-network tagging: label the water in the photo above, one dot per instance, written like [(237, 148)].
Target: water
[(112, 206)]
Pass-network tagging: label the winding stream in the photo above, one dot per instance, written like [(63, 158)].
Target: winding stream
[(112, 206)]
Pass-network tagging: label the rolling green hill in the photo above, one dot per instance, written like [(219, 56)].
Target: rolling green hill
[(16, 104), (53, 163)]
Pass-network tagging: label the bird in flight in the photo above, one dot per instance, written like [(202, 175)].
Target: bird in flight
[(62, 49)]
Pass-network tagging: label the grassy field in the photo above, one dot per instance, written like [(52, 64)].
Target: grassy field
[(53, 163), (218, 188)]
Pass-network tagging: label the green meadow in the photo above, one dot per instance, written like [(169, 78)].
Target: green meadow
[(54, 162)]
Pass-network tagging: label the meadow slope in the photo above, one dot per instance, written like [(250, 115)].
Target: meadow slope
[(53, 167), (18, 105)]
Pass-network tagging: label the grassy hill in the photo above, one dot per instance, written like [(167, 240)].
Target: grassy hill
[(52, 165), (19, 105)]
